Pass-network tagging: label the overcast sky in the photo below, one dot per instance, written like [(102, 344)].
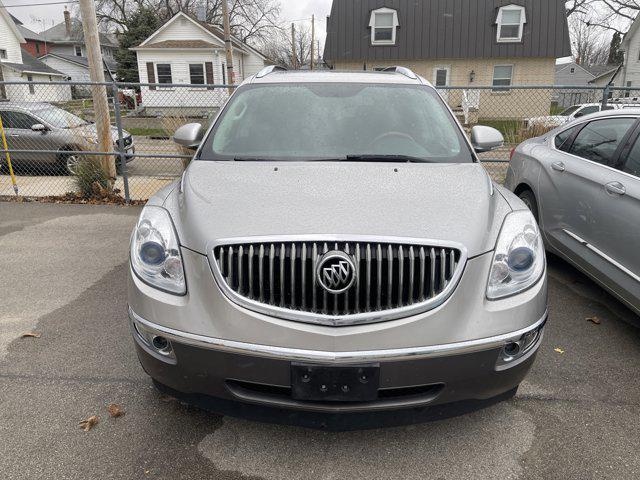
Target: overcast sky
[(35, 17)]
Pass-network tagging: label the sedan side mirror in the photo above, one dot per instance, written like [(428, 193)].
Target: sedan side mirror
[(189, 135), (38, 127), (485, 139)]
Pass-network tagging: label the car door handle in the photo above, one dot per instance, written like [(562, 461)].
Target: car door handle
[(615, 188), (558, 166)]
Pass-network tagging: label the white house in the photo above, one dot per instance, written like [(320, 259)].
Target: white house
[(188, 51), (18, 65)]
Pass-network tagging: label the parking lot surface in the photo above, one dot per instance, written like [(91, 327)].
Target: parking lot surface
[(576, 416)]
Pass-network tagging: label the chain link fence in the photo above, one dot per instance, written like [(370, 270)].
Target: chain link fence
[(50, 131)]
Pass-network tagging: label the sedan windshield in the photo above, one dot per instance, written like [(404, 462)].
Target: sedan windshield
[(336, 121), (59, 118), (570, 110)]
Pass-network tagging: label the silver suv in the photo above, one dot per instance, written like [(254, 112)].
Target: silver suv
[(336, 246), (44, 135)]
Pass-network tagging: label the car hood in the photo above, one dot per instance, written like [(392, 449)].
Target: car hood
[(445, 202), (92, 130)]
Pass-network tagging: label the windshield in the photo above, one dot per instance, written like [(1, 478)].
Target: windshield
[(570, 110), (59, 118), (334, 121)]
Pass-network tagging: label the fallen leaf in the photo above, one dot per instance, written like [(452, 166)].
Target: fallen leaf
[(559, 350), (593, 319), (89, 423), (115, 410), (167, 398), (30, 335)]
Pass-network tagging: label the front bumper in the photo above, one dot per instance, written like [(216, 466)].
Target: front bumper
[(260, 374)]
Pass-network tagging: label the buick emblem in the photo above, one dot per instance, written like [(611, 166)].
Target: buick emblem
[(336, 272)]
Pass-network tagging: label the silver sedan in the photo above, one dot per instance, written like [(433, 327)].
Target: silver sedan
[(582, 182)]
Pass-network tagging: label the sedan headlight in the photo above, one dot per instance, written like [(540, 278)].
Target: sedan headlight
[(155, 252), (519, 259), (90, 139)]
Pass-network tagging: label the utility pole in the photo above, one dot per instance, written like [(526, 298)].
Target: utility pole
[(294, 57), (98, 92), (313, 39), (228, 45)]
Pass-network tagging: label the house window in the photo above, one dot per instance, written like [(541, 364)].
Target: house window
[(502, 76), (37, 47), (196, 74), (441, 76), (511, 20), (573, 70), (383, 23), (3, 54), (32, 88), (78, 50), (163, 72)]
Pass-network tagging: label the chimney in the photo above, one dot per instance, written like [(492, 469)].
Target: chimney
[(201, 13), (67, 21)]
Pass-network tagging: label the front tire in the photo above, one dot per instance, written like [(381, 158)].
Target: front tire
[(530, 201), (69, 163)]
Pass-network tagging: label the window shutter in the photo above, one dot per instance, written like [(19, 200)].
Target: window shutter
[(151, 75), (208, 66)]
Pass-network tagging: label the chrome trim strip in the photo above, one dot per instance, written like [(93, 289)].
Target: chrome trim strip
[(339, 320), (284, 353), (602, 254)]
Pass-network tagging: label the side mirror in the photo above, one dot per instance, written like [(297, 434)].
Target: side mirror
[(38, 127), (485, 139), (189, 135)]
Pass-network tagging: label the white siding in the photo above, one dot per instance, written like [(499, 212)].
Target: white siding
[(252, 64), (182, 97), (184, 29), (9, 42), (77, 73), (42, 93)]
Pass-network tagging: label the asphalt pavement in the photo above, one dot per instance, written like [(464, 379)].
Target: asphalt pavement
[(576, 416)]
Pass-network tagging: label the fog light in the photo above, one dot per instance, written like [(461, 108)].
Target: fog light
[(512, 351)]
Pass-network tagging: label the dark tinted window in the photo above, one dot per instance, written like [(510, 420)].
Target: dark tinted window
[(17, 120), (632, 164), (196, 73), (588, 110), (562, 138), (599, 140)]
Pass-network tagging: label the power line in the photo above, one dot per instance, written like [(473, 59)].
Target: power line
[(40, 4)]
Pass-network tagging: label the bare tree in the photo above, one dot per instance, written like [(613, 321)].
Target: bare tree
[(590, 45), (251, 20), (615, 15), (278, 47)]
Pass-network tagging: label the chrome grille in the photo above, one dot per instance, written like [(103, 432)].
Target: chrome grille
[(394, 278)]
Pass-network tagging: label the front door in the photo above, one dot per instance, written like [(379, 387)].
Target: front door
[(582, 212)]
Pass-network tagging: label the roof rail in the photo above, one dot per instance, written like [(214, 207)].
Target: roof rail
[(270, 69), (407, 72)]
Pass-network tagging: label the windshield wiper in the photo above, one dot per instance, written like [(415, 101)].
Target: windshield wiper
[(385, 158)]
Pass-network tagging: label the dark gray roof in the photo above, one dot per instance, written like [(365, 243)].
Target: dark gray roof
[(32, 64), (599, 70), (433, 29), (58, 33), (81, 60)]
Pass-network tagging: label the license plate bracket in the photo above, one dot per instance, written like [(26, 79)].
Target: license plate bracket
[(321, 383)]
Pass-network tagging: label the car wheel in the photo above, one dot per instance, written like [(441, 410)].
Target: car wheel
[(70, 163), (530, 201)]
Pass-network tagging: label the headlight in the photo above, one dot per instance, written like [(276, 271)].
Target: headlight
[(519, 260), (155, 253)]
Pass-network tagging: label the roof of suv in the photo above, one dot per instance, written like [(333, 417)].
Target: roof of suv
[(332, 76)]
